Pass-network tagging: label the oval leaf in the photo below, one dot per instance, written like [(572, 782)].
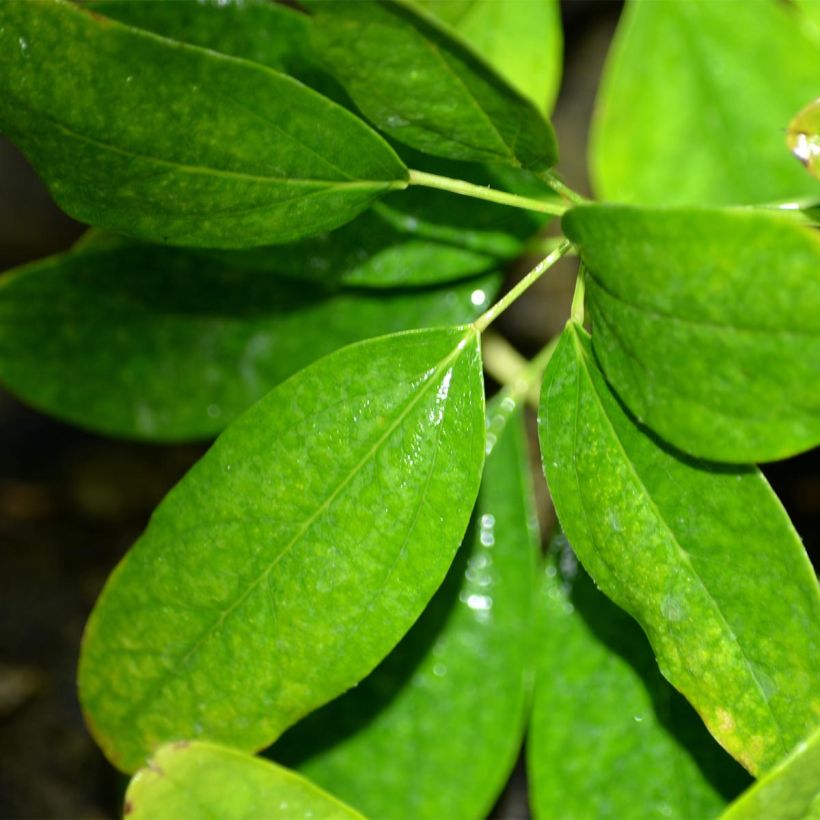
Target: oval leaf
[(609, 737), (684, 117), (327, 511), (174, 143), (680, 545), (163, 344), (707, 324), (199, 781), (423, 711), (790, 791), (521, 40), (422, 85)]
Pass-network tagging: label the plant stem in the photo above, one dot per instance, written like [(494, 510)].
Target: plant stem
[(459, 186), (562, 188), (508, 298), (542, 245)]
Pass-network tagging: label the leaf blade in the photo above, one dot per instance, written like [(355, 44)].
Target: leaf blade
[(660, 535), (327, 510), (713, 343), (201, 780), (226, 153)]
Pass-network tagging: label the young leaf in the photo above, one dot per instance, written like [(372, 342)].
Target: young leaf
[(166, 345), (684, 117), (609, 737), (680, 545), (200, 780), (707, 324), (522, 40), (178, 144), (419, 83), (423, 710), (790, 791), (295, 554)]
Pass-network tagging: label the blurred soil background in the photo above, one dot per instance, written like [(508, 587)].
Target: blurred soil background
[(71, 503)]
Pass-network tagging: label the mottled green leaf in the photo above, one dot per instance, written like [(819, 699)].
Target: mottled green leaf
[(694, 100), (295, 554), (166, 345), (790, 791), (803, 137), (701, 555), (174, 143), (435, 729), (609, 737), (199, 781), (422, 85), (521, 39), (707, 323)]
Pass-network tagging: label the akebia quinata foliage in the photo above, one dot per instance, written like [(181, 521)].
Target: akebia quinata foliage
[(300, 218)]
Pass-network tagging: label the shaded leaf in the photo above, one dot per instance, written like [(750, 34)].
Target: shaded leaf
[(684, 116), (609, 737), (203, 780), (790, 791), (445, 711), (174, 143), (327, 510), (166, 345), (707, 324), (701, 555), (522, 40), (419, 83)]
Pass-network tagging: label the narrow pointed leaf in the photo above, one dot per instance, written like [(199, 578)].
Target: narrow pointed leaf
[(165, 345), (684, 116), (609, 737), (707, 324), (790, 791), (418, 82), (178, 144), (446, 708), (522, 40), (201, 780), (295, 554), (681, 546)]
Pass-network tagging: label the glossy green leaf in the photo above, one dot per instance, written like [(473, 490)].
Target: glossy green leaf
[(701, 555), (790, 791), (174, 143), (609, 737), (434, 731), (165, 345), (262, 31), (522, 40), (803, 137), (694, 100), (199, 781), (707, 323), (295, 554), (422, 85)]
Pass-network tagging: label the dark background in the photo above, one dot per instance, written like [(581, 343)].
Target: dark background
[(71, 502)]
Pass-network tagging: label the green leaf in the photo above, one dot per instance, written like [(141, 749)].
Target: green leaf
[(803, 137), (707, 324), (166, 345), (199, 781), (419, 83), (521, 40), (261, 31), (790, 791), (694, 100), (423, 713), (178, 144), (295, 554), (701, 555), (609, 737)]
